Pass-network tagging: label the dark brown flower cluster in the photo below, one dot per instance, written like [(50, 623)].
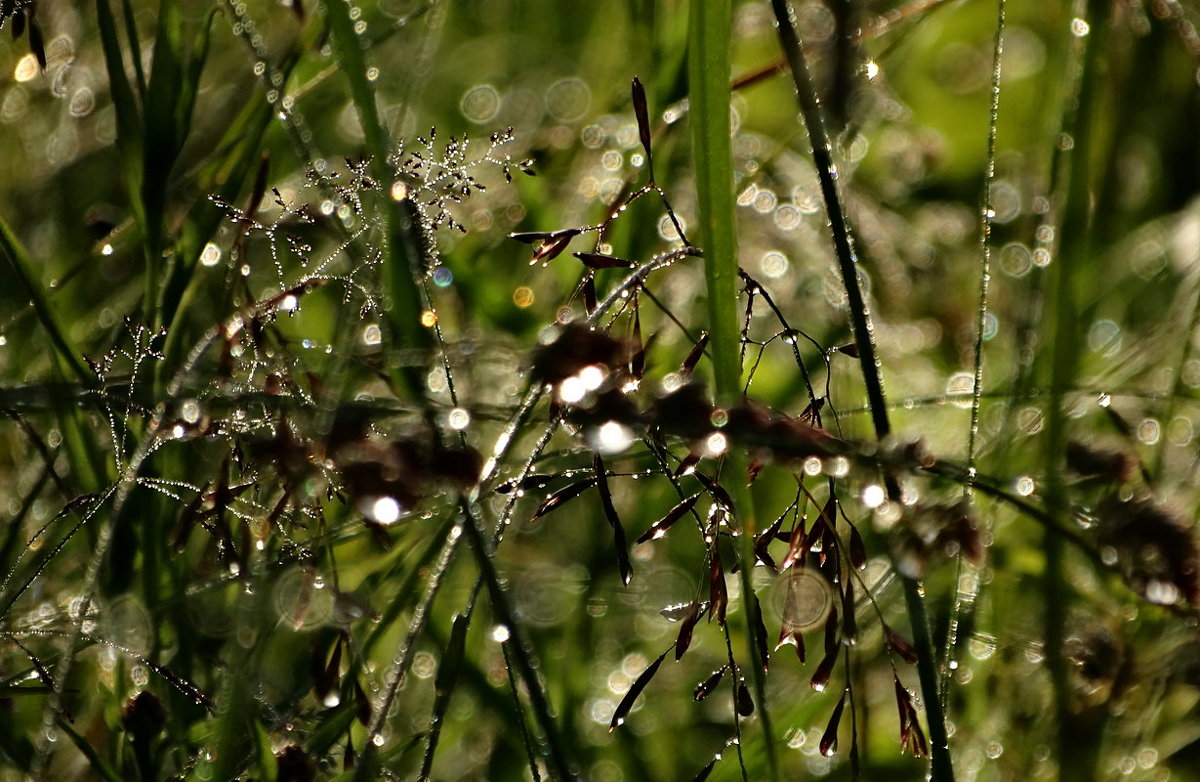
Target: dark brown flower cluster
[(1155, 551), (931, 532)]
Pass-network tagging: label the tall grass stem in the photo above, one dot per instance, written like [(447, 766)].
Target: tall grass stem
[(709, 92), (942, 769)]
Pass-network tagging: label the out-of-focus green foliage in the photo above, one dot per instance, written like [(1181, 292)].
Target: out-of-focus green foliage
[(262, 330)]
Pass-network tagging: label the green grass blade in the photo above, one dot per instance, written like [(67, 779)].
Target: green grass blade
[(709, 105), (161, 144), (100, 766), (402, 256), (708, 101), (134, 46), (1069, 278), (22, 266), (964, 599), (129, 128)]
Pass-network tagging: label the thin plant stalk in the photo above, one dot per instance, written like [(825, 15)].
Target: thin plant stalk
[(964, 599), (709, 98), (1073, 261), (942, 768)]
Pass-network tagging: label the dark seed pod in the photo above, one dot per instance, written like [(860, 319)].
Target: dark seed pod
[(295, 765), (706, 687), (829, 740), (143, 716), (744, 703)]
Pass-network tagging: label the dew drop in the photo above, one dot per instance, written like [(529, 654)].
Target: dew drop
[(385, 510), (189, 411), (27, 68), (523, 296), (610, 437), (459, 419), (959, 388), (209, 256), (480, 103), (872, 495), (716, 444), (1148, 431), (82, 102), (774, 264)]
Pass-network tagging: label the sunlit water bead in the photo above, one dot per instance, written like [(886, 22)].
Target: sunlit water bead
[(1015, 260), (1104, 337), (27, 68), (1149, 431), (991, 326), (666, 228), (873, 495), (443, 277), (837, 467), (610, 437), (774, 264), (82, 102), (788, 217), (458, 419), (1180, 431), (593, 136), (16, 102), (210, 255), (381, 510), (959, 387), (568, 100)]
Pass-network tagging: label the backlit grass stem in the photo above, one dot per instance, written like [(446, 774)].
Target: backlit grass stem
[(1074, 260), (864, 339), (709, 97)]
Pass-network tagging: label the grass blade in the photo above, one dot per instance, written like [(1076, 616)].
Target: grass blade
[(22, 266), (401, 224), (1067, 282), (709, 101)]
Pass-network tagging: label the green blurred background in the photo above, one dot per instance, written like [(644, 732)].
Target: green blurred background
[(906, 88)]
